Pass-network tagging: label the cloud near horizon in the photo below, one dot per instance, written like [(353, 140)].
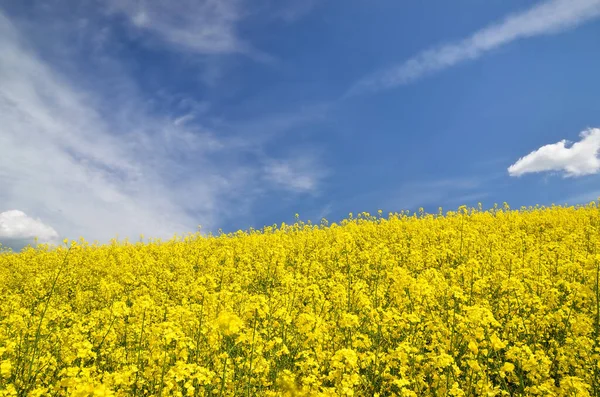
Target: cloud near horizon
[(577, 160), (18, 230), (547, 17)]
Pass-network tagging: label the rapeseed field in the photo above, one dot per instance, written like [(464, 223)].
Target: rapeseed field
[(468, 303)]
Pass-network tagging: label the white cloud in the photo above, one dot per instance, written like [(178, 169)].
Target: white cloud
[(299, 174), (16, 225), (104, 162), (205, 26), (577, 160), (184, 119), (293, 10), (202, 26), (60, 159), (547, 17)]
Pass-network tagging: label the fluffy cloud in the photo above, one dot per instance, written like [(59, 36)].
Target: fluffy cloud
[(577, 160), (17, 230)]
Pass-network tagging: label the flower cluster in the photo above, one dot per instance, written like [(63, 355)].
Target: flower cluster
[(496, 303)]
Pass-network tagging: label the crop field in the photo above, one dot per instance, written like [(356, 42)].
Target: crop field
[(467, 303)]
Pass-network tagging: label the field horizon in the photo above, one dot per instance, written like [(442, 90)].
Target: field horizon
[(468, 302)]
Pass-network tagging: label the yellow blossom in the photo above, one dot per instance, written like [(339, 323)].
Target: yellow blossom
[(5, 368), (229, 323), (470, 302)]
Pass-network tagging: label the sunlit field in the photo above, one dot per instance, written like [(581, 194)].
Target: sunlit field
[(471, 302)]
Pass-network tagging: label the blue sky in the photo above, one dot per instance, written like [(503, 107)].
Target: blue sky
[(129, 117)]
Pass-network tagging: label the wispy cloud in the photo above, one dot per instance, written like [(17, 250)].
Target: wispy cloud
[(203, 26), (291, 11), (577, 160), (301, 174), (547, 17), (61, 161), (94, 164)]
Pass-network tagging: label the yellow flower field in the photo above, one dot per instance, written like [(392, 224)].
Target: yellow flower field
[(491, 303)]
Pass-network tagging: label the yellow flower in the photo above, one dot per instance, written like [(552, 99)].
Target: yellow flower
[(473, 347), (474, 364), (400, 383), (102, 391), (305, 323), (5, 368), (497, 343), (456, 391), (444, 360), (345, 358), (574, 386), (348, 320), (366, 306), (229, 323), (508, 367)]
